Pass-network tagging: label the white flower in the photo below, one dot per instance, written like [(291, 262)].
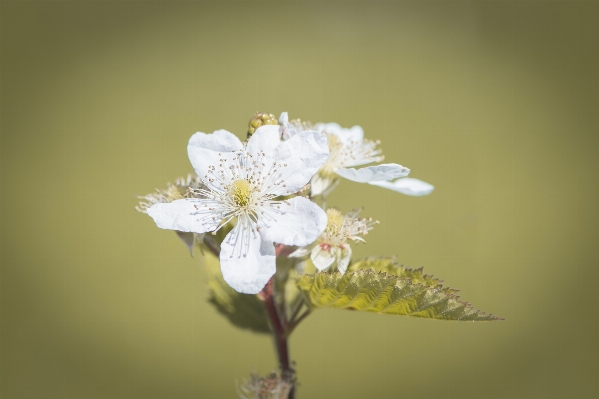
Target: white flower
[(183, 187), (348, 149), (332, 245), (242, 183), (174, 191), (351, 149)]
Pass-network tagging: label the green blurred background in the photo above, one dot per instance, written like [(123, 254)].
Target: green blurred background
[(495, 103)]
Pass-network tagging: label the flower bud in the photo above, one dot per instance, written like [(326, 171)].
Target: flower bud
[(260, 119)]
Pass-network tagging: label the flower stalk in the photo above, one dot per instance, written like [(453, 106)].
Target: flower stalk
[(279, 327)]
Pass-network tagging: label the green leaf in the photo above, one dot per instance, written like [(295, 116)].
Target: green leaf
[(391, 266), (243, 310), (380, 292)]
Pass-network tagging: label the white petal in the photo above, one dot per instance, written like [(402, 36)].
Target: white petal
[(321, 258), (407, 186), (286, 129), (284, 118), (182, 215), (247, 262), (387, 171), (321, 184), (299, 223), (203, 149), (345, 258), (355, 133), (304, 154), (264, 139), (301, 252)]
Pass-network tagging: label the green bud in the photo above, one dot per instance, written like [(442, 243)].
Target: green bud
[(260, 119)]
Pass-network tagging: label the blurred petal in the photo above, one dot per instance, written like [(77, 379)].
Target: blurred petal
[(284, 118), (264, 139), (407, 186), (299, 223), (203, 149), (247, 262), (182, 215), (300, 252), (355, 133), (321, 258), (286, 129), (387, 171), (321, 185), (304, 154), (345, 258)]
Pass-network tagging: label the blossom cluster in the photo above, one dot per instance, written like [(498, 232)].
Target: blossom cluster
[(264, 190)]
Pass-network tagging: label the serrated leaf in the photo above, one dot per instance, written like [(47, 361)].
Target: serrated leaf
[(380, 292), (243, 310), (391, 266)]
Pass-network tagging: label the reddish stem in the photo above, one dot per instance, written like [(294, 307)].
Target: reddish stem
[(280, 336)]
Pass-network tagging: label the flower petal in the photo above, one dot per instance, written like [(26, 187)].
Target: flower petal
[(264, 139), (299, 223), (322, 184), (301, 252), (203, 149), (387, 171), (283, 118), (182, 215), (321, 258), (345, 258), (287, 129), (407, 186), (346, 135), (247, 261), (304, 154)]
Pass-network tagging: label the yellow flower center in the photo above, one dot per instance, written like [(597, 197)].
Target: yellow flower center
[(335, 153), (335, 221), (240, 192)]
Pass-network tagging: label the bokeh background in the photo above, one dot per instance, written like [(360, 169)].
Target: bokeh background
[(495, 103)]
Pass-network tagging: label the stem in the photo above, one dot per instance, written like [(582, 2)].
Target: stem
[(296, 310), (294, 323), (280, 336)]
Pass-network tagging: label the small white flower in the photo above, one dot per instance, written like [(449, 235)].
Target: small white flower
[(183, 187), (332, 245), (242, 183), (173, 191), (348, 149)]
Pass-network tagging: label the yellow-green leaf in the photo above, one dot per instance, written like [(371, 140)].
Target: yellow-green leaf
[(380, 292), (391, 266), (243, 310)]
